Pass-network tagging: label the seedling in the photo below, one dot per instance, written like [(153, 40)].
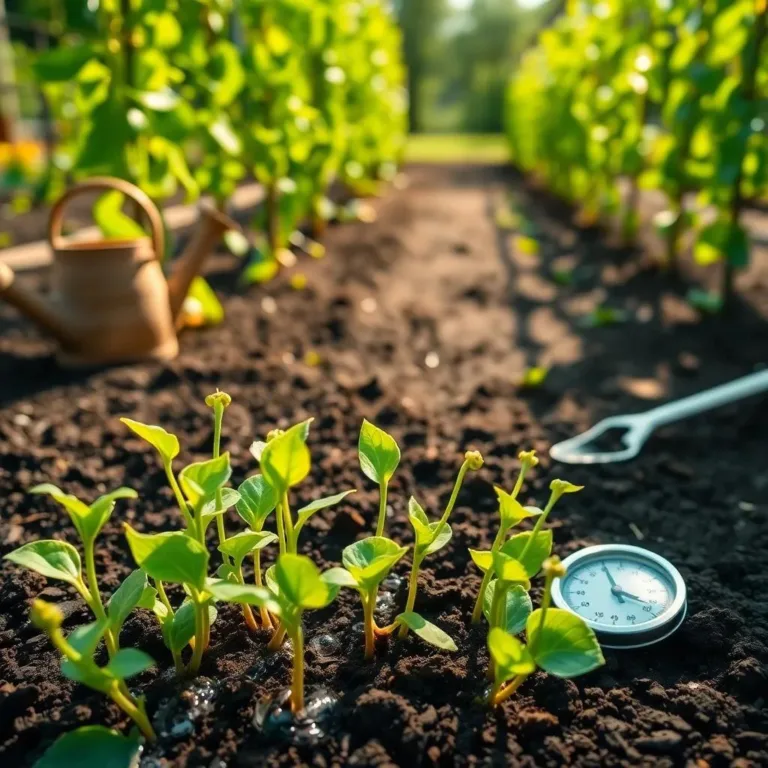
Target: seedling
[(59, 560), (103, 747), (178, 558), (432, 537), (558, 642), (530, 548), (79, 665), (297, 585), (285, 461), (219, 402), (379, 456), (366, 564)]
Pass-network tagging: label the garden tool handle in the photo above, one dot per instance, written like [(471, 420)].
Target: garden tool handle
[(108, 182), (746, 386)]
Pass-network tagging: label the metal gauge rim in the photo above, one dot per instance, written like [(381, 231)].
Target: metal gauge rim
[(633, 636)]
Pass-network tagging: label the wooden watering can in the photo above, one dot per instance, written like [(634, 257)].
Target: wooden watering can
[(110, 301)]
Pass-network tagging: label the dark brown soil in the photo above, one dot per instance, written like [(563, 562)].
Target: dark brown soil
[(453, 291)]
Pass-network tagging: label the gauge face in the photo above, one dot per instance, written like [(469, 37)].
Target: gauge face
[(631, 597), (617, 591)]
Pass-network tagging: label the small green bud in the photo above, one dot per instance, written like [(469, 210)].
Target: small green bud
[(528, 458), (217, 397), (274, 433), (559, 487), (474, 460), (553, 568), (45, 616)]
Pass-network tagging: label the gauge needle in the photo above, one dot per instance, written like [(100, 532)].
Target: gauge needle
[(614, 586), (620, 591)]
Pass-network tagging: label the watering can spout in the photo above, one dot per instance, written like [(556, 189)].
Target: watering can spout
[(40, 312), (213, 224)]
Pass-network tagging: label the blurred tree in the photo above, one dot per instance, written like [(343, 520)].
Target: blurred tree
[(421, 21)]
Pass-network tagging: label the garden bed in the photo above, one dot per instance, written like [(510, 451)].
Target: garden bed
[(422, 322)]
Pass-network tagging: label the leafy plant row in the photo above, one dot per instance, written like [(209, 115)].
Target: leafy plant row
[(557, 641), (669, 95), (198, 95)]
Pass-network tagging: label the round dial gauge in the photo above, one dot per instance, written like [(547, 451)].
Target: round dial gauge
[(629, 596)]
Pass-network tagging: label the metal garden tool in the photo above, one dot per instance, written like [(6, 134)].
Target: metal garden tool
[(639, 426), (110, 301)]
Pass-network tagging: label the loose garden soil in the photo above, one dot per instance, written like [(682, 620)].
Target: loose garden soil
[(422, 322)]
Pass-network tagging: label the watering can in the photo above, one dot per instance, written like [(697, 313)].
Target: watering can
[(110, 301)]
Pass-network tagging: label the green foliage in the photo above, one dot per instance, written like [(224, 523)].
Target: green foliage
[(52, 559), (379, 453), (91, 745), (427, 631), (285, 461), (166, 444), (667, 95)]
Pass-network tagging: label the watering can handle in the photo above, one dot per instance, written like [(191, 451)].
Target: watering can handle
[(109, 182)]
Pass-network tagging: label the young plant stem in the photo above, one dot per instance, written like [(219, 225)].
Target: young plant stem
[(218, 416), (455, 493), (545, 603), (118, 691), (281, 529), (266, 619), (413, 585), (201, 633), (277, 638), (96, 604), (553, 498), (382, 509), (180, 498), (297, 685), (250, 619), (477, 611), (290, 535), (501, 693), (134, 711), (369, 605)]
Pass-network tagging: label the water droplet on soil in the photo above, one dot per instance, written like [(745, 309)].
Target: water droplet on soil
[(324, 646), (267, 665), (175, 717), (276, 721), (392, 583), (385, 604)]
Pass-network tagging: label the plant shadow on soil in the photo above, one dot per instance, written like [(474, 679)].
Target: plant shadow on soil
[(457, 314)]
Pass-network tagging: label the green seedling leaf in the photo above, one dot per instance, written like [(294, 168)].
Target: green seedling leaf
[(537, 553), (285, 461), (483, 559), (173, 557), (511, 511), (370, 560), (128, 596), (244, 594), (518, 608), (129, 662), (328, 501), (705, 301), (441, 534), (379, 453), (509, 569), (229, 498), (201, 480), (565, 646), (301, 584), (182, 628), (166, 444), (603, 316), (49, 558), (257, 501), (242, 544), (416, 512), (340, 577), (427, 631), (509, 655), (86, 639), (92, 745), (88, 520)]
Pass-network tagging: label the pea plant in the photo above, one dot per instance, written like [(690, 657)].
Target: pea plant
[(277, 598), (668, 96)]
